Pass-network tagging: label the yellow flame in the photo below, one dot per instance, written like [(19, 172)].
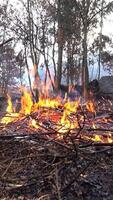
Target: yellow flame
[(26, 103), (10, 116), (97, 138), (71, 106), (10, 105), (49, 103), (33, 123), (90, 107), (109, 139), (66, 121)]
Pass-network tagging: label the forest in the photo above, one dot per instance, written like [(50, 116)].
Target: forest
[(56, 104), (65, 36)]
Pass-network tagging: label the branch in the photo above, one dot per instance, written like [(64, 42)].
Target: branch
[(100, 10), (7, 41), (81, 15)]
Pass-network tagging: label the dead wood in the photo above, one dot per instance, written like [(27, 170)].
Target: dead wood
[(36, 163)]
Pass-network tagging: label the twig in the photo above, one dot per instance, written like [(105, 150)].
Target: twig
[(57, 184), (7, 168), (75, 179)]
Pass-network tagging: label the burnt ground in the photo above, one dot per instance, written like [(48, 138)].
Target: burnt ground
[(35, 168), (35, 164)]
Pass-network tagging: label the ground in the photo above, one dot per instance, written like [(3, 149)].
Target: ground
[(37, 164)]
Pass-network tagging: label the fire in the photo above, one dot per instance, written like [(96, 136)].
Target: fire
[(90, 107), (72, 106), (69, 107), (66, 118), (26, 103), (65, 123), (97, 138), (33, 123), (94, 125), (10, 105), (109, 138), (49, 103), (10, 116)]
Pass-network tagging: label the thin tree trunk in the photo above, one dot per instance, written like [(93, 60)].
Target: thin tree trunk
[(85, 73), (60, 47), (68, 62), (53, 51), (100, 45), (28, 73), (59, 66)]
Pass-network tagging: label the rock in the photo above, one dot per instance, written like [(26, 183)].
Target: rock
[(106, 86)]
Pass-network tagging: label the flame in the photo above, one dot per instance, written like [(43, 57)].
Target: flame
[(69, 108), (26, 103), (66, 118), (102, 138), (94, 125), (97, 138), (10, 105), (109, 138), (65, 123), (33, 123), (49, 103), (90, 107), (10, 116), (72, 106), (44, 92)]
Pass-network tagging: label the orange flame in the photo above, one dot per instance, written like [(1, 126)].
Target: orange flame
[(10, 105), (26, 103), (10, 116), (66, 124), (33, 123), (90, 107), (66, 121)]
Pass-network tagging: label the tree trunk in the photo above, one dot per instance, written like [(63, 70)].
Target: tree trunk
[(68, 62), (60, 47), (59, 67), (85, 73), (28, 73), (100, 39)]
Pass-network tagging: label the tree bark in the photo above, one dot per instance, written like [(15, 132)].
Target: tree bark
[(59, 67), (85, 73), (100, 39), (60, 47)]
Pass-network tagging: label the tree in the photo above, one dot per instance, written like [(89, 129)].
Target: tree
[(100, 44), (67, 20), (89, 12), (58, 29), (9, 68), (106, 54)]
